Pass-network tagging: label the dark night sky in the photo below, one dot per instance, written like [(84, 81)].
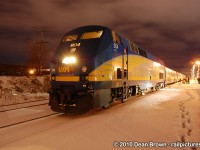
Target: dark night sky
[(168, 29)]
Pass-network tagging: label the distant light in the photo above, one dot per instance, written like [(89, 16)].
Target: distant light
[(69, 60), (31, 71)]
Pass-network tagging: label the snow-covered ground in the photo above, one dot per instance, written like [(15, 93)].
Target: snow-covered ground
[(21, 89), (168, 116)]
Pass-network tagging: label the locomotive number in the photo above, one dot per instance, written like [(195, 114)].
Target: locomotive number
[(115, 45), (75, 44)]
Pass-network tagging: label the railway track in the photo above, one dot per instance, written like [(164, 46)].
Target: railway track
[(47, 114), (28, 120), (15, 106), (19, 113)]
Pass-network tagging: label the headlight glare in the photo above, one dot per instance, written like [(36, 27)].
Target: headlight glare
[(69, 60)]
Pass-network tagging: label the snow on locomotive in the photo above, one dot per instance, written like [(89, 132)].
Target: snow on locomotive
[(94, 66)]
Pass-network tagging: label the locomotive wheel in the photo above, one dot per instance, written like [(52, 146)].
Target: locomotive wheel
[(54, 104), (84, 103)]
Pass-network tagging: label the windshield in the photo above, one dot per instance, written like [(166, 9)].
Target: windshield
[(84, 36), (92, 35)]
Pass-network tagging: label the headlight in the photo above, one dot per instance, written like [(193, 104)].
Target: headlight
[(69, 60)]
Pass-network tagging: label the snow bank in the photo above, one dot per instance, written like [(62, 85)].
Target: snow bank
[(18, 89)]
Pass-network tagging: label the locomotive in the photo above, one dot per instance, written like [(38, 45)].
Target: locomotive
[(94, 66)]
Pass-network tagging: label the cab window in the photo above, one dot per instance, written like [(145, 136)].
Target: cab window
[(133, 47), (92, 35), (70, 38), (142, 52), (116, 38)]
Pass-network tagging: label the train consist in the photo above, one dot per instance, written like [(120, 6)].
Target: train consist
[(94, 66)]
